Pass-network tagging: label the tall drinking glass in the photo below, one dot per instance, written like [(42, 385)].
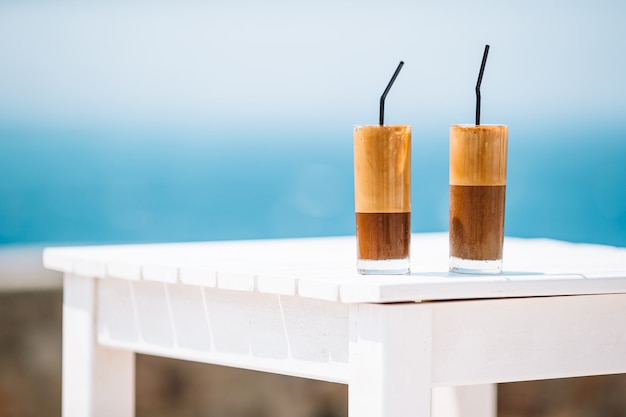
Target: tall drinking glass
[(382, 185), (478, 157)]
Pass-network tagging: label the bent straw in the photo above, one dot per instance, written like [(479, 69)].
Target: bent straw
[(381, 116), (480, 80)]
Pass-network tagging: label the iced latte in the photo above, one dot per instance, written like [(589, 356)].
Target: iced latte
[(382, 185), (478, 156)]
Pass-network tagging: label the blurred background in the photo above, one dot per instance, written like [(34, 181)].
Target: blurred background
[(136, 121)]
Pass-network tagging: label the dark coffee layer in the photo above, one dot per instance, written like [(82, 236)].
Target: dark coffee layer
[(383, 235), (477, 221)]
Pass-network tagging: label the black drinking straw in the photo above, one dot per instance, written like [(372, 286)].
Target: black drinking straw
[(480, 80), (381, 116)]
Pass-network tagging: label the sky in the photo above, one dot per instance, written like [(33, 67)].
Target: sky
[(309, 65)]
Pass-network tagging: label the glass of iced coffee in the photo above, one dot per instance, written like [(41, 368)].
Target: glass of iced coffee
[(478, 157), (382, 185)]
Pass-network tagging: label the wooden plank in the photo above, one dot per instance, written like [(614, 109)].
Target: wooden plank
[(323, 268), (237, 281), (284, 334), (198, 275), (160, 272), (485, 341), (124, 269), (277, 283), (474, 342), (446, 286)]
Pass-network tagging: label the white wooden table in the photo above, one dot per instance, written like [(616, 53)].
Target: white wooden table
[(297, 307)]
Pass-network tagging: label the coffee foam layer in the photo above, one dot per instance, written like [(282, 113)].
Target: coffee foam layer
[(382, 168), (478, 154)]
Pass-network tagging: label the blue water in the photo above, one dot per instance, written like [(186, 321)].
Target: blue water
[(95, 186)]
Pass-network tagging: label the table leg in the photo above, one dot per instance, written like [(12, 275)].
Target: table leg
[(390, 360), (97, 381)]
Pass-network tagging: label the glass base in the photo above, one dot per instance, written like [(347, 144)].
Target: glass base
[(470, 266), (383, 266)]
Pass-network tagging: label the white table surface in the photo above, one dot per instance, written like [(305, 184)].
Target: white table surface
[(405, 345), (324, 268)]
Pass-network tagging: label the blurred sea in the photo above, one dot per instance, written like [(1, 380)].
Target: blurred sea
[(86, 187)]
